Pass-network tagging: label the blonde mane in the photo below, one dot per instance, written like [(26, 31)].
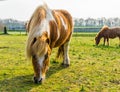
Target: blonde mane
[(39, 25), (104, 28)]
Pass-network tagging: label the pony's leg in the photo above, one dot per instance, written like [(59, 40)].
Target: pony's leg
[(119, 41), (104, 41), (107, 41), (66, 60)]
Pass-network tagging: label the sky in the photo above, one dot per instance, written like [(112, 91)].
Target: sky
[(23, 9)]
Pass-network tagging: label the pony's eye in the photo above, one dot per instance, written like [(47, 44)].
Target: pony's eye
[(34, 40), (46, 55), (47, 40)]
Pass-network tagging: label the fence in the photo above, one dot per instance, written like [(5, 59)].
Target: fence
[(86, 29), (77, 30)]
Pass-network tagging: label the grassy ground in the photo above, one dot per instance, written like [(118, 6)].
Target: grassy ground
[(93, 68)]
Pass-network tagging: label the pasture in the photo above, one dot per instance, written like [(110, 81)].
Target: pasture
[(93, 68)]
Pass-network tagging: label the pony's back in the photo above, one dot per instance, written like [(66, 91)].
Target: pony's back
[(114, 32)]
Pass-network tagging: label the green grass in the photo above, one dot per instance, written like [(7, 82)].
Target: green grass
[(93, 68)]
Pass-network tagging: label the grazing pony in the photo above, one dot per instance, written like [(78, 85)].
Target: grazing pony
[(26, 26), (107, 33), (48, 29)]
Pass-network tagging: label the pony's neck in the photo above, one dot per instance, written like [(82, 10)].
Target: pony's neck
[(100, 36)]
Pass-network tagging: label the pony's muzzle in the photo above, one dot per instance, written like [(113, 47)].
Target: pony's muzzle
[(37, 81)]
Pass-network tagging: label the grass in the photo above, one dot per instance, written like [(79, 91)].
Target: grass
[(93, 68)]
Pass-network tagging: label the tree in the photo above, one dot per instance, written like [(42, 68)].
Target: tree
[(5, 30)]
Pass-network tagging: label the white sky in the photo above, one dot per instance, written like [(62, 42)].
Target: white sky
[(23, 9)]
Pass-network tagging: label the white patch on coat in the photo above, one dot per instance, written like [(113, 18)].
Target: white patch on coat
[(44, 25), (40, 61), (63, 23), (66, 56), (49, 15)]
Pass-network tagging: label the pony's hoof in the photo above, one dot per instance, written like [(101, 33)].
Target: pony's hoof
[(65, 65)]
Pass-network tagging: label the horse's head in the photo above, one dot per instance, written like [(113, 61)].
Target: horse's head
[(40, 59), (38, 43), (97, 40), (101, 34)]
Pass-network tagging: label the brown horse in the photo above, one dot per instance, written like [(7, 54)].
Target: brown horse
[(107, 33), (48, 29)]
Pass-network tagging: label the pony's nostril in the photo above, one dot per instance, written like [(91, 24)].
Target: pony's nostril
[(40, 81), (37, 81)]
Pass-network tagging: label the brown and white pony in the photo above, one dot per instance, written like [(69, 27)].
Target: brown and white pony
[(48, 29), (107, 33)]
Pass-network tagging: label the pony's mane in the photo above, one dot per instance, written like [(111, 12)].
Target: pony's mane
[(104, 28), (37, 27)]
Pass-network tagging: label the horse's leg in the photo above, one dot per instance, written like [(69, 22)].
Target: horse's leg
[(107, 41), (63, 51), (104, 41), (66, 60), (119, 41)]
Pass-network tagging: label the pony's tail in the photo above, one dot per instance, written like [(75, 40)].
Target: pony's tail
[(60, 52)]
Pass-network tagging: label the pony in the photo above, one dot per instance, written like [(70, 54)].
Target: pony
[(47, 29), (26, 26), (107, 33)]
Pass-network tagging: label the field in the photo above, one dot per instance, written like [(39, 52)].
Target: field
[(93, 68)]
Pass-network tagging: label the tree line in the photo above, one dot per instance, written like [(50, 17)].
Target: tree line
[(99, 22)]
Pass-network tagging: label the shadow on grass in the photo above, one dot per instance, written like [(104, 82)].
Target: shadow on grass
[(25, 83), (17, 84), (14, 34), (3, 34), (4, 47), (55, 67), (106, 47)]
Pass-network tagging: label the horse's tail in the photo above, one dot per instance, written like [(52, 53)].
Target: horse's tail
[(60, 52)]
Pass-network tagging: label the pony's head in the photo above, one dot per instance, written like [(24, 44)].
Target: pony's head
[(101, 34), (40, 57), (97, 40), (39, 51), (38, 48)]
